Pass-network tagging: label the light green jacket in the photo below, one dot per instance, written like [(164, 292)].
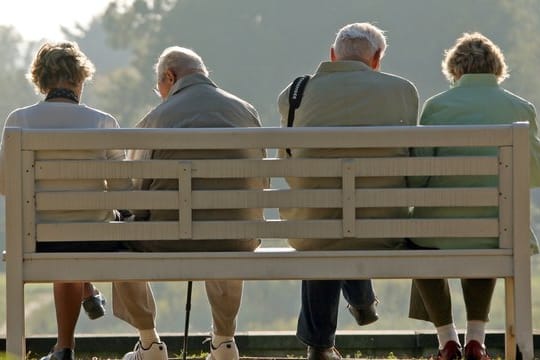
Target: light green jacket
[(474, 100)]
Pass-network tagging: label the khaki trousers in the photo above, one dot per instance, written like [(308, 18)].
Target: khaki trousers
[(431, 300), (134, 303)]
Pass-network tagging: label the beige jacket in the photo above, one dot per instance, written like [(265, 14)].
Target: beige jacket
[(349, 93), (196, 102)]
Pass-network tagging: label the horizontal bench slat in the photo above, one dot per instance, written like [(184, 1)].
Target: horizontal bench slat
[(269, 252), (272, 264), (317, 137), (207, 230), (237, 199), (400, 166), (372, 228), (241, 168)]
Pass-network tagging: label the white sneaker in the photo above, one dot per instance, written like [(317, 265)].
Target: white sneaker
[(226, 350), (156, 351)]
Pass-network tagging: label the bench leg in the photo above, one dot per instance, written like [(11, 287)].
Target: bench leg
[(509, 334), (15, 333), (523, 313)]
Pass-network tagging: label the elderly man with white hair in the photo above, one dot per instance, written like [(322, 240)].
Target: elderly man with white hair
[(349, 90), (190, 100)]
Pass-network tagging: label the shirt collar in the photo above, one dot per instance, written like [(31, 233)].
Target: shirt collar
[(345, 65), (189, 80), (474, 80)]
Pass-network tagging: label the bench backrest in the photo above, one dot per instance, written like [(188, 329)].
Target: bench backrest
[(510, 165)]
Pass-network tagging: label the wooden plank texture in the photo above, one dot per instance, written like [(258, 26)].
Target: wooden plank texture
[(241, 168), (272, 198), (320, 137), (274, 229)]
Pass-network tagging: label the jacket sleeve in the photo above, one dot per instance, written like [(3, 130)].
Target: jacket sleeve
[(412, 105), (534, 146), (425, 119), (10, 121), (117, 154), (283, 107)]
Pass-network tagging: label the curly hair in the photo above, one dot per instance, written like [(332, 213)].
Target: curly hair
[(55, 63), (474, 53)]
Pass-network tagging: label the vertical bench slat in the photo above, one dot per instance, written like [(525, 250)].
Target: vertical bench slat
[(184, 197), (348, 198), (29, 203), (505, 197)]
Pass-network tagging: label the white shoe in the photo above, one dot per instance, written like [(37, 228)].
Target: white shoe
[(156, 351), (226, 350)]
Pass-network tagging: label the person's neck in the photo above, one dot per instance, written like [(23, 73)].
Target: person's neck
[(63, 93)]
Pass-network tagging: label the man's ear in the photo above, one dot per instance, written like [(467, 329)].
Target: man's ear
[(376, 60), (332, 54), (171, 76)]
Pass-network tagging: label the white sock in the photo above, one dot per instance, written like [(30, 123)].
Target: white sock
[(476, 330), (219, 339), (148, 337), (447, 333)]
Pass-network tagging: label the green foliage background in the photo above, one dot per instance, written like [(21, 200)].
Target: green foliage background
[(254, 48)]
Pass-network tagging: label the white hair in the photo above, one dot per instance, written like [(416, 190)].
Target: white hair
[(359, 41), (180, 60)]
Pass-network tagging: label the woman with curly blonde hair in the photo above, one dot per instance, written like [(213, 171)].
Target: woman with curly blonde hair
[(59, 71), (475, 66)]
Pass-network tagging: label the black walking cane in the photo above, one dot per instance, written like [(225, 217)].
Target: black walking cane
[(186, 326)]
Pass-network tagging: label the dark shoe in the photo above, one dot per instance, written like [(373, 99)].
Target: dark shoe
[(314, 353), (451, 351), (94, 306), (64, 354), (364, 316), (476, 351)]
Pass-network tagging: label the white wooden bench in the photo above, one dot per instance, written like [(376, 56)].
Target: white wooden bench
[(509, 261)]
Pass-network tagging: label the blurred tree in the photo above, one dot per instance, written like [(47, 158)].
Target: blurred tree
[(134, 28), (254, 48), (15, 91), (111, 63), (523, 52), (93, 40)]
